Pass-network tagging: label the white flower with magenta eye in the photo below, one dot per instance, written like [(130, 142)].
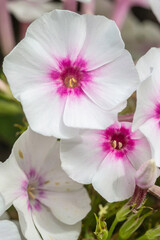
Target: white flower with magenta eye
[(147, 115), (107, 158), (71, 71), (47, 200)]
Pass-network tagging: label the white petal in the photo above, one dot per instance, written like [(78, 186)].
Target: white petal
[(25, 218), (146, 175), (155, 5), (33, 64), (32, 148), (82, 156), (148, 62), (2, 207), (61, 33), (151, 129), (11, 177), (103, 41), (81, 112), (113, 83), (50, 228), (68, 207), (141, 152), (46, 117), (19, 229), (115, 179), (147, 95), (8, 231)]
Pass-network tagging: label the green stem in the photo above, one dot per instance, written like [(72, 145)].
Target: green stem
[(111, 230)]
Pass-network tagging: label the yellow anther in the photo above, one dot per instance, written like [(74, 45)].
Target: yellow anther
[(30, 193), (57, 183), (114, 144), (117, 145), (70, 82), (46, 182), (120, 145), (20, 154)]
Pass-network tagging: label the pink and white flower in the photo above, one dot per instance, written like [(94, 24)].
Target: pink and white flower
[(47, 200), (71, 71), (107, 158), (147, 114)]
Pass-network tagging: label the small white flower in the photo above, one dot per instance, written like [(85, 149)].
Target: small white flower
[(71, 71), (48, 202), (147, 115), (107, 158)]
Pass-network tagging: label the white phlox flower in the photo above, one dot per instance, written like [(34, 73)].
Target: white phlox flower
[(107, 158), (71, 71), (147, 114), (49, 204)]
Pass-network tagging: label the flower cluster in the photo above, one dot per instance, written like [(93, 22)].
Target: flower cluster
[(73, 76)]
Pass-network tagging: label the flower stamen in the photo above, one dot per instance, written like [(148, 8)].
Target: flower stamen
[(117, 145), (70, 82), (114, 144), (120, 145), (30, 192)]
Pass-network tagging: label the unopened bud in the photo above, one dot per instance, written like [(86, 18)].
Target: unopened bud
[(153, 233), (123, 213), (146, 175), (132, 224)]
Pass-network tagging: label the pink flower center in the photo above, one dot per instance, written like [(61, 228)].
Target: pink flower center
[(118, 141), (157, 111), (70, 77), (33, 190)]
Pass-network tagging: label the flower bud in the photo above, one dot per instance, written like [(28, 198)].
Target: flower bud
[(153, 233), (146, 175), (132, 224), (123, 213)]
